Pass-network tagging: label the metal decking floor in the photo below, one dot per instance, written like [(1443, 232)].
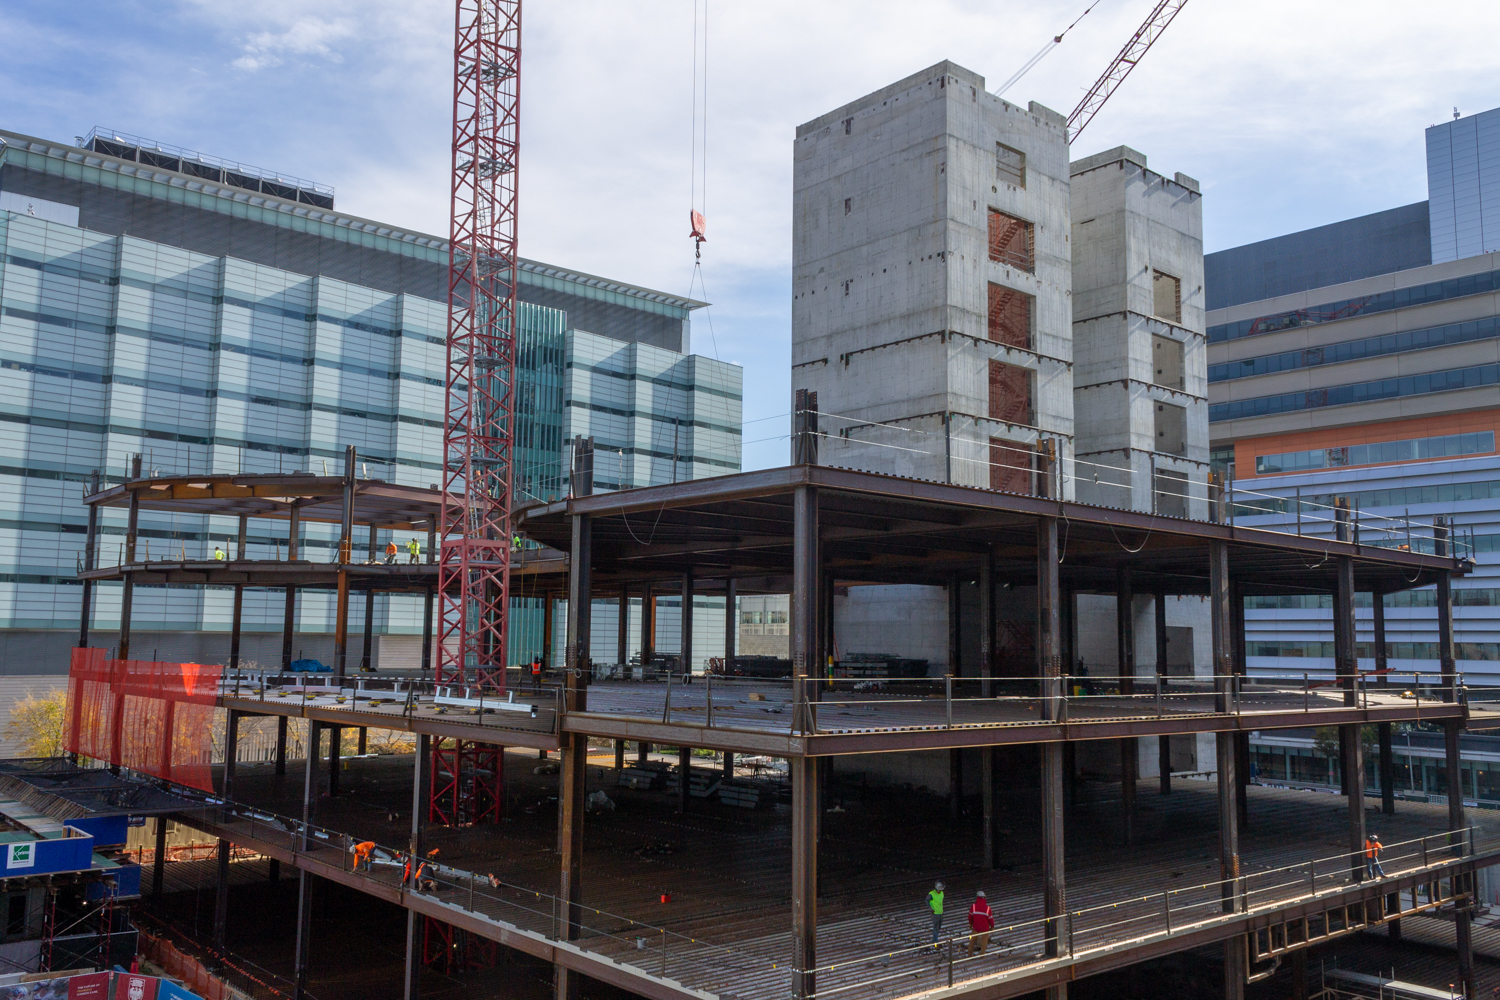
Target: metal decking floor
[(726, 871)]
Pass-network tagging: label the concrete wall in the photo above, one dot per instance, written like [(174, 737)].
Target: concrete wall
[(1128, 224), (891, 272)]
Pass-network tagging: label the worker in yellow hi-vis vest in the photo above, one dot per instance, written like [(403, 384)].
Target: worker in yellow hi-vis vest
[(935, 904)]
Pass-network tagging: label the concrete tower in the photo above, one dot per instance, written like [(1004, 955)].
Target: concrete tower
[(931, 268), (1139, 348)]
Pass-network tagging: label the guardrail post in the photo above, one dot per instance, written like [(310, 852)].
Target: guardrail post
[(709, 679), (950, 962), (1158, 696), (1166, 911), (664, 952), (948, 698), (666, 709), (1306, 694)]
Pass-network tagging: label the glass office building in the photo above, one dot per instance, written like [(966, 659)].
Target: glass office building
[(148, 308)]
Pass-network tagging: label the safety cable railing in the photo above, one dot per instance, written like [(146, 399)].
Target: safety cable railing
[(1389, 531), (406, 697), (649, 947), (975, 702), (1076, 933)]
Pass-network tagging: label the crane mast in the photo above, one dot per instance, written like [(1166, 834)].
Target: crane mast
[(479, 424), (1144, 37)]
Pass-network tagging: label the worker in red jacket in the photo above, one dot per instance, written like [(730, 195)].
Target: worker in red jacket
[(981, 922)]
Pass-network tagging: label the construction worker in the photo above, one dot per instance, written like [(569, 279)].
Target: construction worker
[(536, 673), (406, 872), (390, 552), (413, 552), (1373, 847), (362, 853), (219, 555), (935, 904), (422, 881), (981, 922)]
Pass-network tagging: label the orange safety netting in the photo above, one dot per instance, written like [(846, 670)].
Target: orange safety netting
[(155, 718)]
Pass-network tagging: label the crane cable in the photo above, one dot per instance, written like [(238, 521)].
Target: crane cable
[(698, 169), (1042, 53)]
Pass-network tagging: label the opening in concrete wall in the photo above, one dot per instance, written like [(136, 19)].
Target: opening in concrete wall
[(1171, 429), (1167, 358), (1010, 467), (1171, 493), (1012, 241), (1010, 393), (1166, 296), (1010, 165), (1010, 315)]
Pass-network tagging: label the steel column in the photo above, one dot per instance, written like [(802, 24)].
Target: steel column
[(622, 641), (548, 626), (427, 598), (1125, 667), (955, 638), (685, 642), (304, 880), (289, 621), (367, 655), (1351, 748), (987, 621), (239, 597), (1221, 620), (1163, 743), (684, 774), (1241, 739), (805, 812), (648, 626), (806, 575), (987, 791), (731, 626), (1446, 654), (421, 778), (159, 860), (1382, 679), (573, 766), (1463, 913), (127, 597), (221, 896), (90, 548), (411, 978), (1054, 708), (281, 722)]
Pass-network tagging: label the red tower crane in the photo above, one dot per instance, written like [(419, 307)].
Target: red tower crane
[(1145, 36), (479, 379)]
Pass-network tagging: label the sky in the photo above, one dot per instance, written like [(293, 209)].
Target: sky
[(1291, 114)]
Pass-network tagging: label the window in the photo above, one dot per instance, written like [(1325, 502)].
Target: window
[(1360, 392), (1010, 165), (1010, 393), (1415, 450), (1350, 350), (1012, 241), (1010, 314), (1166, 297), (1010, 467), (1171, 429), (1167, 360)]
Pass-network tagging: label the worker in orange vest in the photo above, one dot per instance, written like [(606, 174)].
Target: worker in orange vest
[(1373, 847), (390, 552), (536, 673), (362, 852)]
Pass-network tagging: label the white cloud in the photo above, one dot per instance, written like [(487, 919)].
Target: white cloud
[(308, 36)]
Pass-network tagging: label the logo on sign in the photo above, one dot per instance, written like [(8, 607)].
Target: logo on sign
[(21, 856)]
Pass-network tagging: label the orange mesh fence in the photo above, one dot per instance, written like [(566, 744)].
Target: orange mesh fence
[(155, 718)]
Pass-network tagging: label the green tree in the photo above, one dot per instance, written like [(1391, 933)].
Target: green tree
[(36, 724)]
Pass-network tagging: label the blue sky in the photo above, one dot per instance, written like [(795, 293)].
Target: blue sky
[(1291, 114)]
